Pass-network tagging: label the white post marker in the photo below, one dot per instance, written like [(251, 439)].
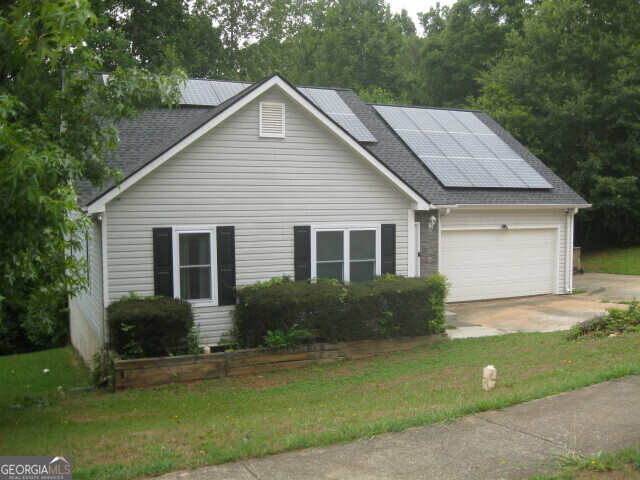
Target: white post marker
[(207, 349), (489, 375)]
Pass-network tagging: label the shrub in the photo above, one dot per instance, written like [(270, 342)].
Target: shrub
[(287, 337), (615, 321), (388, 306), (152, 327)]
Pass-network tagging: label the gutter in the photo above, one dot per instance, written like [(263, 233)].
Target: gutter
[(472, 206)]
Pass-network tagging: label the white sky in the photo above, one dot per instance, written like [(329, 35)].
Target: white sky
[(415, 6)]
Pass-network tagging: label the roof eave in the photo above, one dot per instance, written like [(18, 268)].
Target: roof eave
[(488, 206)]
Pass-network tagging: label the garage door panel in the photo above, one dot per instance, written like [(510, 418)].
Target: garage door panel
[(499, 263)]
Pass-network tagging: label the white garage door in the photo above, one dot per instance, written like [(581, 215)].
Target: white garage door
[(483, 264)]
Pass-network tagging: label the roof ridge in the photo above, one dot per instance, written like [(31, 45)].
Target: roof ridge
[(219, 80), (373, 104)]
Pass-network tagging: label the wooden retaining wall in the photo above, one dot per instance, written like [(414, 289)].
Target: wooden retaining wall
[(148, 372)]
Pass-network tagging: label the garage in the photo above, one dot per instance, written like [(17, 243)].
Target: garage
[(499, 263)]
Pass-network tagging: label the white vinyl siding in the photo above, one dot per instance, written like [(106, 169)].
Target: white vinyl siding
[(90, 301), (261, 186), (531, 252)]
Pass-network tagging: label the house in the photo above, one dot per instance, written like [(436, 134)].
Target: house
[(245, 182)]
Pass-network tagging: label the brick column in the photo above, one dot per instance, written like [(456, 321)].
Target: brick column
[(428, 243)]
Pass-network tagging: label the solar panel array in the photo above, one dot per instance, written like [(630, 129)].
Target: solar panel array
[(209, 92), (459, 149), (330, 103)]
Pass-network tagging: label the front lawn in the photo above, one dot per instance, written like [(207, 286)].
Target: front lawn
[(623, 261), (149, 432)]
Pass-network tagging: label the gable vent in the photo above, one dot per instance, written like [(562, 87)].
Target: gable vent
[(272, 120)]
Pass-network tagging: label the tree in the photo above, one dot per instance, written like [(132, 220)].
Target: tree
[(569, 88), (56, 125), (435, 20), (159, 36), (338, 43), (461, 42)]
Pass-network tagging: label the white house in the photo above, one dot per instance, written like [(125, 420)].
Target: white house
[(245, 182)]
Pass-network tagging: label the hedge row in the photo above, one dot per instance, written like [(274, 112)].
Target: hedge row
[(388, 306)]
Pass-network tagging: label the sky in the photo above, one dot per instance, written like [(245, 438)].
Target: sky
[(415, 6)]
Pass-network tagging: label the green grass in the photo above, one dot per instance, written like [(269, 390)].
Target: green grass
[(149, 432), (623, 261), (622, 465), (22, 375), (578, 292)]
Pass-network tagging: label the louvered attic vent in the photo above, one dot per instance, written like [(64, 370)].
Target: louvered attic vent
[(272, 120)]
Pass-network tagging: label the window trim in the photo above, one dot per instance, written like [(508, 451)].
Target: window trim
[(346, 260), (211, 230)]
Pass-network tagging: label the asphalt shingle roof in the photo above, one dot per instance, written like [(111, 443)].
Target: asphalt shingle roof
[(155, 131)]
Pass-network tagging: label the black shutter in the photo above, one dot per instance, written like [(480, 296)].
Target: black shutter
[(388, 248), (162, 262), (302, 252), (226, 245)]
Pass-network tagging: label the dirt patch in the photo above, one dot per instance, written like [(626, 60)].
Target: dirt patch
[(628, 472)]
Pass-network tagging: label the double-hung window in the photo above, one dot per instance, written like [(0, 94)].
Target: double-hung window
[(194, 265), (350, 254)]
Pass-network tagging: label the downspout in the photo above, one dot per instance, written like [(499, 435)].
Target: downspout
[(102, 217), (568, 273)]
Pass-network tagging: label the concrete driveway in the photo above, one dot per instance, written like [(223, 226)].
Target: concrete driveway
[(544, 313)]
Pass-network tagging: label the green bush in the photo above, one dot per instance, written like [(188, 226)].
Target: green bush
[(616, 321), (152, 327), (388, 306), (287, 337)]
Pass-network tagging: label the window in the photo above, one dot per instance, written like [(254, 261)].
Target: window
[(194, 267), (346, 254), (330, 255)]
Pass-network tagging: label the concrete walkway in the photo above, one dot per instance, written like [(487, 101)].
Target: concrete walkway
[(515, 443)]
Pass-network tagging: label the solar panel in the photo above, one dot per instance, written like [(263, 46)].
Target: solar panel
[(354, 126), (527, 174), (329, 101), (473, 145), (421, 118), (420, 144), (209, 92), (475, 172), (396, 118), (447, 144), (332, 104), (503, 174), (459, 149), (498, 147), (447, 120), (472, 123), (226, 90), (198, 92), (447, 173)]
